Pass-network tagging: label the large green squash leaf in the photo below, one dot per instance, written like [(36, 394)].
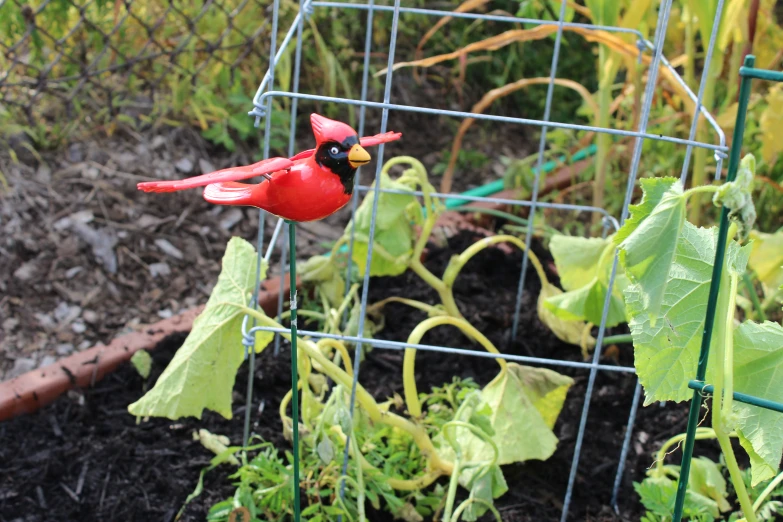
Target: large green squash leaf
[(648, 240), (666, 352), (766, 259), (202, 373), (393, 240), (524, 404), (758, 371), (584, 266)]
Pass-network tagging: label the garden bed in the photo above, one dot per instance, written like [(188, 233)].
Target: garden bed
[(85, 458)]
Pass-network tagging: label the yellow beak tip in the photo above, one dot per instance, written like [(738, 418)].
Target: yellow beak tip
[(358, 156)]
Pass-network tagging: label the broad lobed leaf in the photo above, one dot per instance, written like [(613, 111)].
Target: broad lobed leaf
[(201, 374), (758, 371), (666, 352)]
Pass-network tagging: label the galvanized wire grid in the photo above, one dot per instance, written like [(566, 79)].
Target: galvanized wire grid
[(79, 51), (263, 106)]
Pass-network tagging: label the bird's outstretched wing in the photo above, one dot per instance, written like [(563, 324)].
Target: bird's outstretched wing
[(386, 137), (231, 174)]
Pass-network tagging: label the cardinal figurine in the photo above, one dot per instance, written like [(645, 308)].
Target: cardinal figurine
[(310, 186)]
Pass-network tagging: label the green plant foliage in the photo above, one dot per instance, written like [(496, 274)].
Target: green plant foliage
[(393, 240), (766, 260), (758, 363), (666, 352), (704, 500), (142, 361), (584, 266), (202, 373), (648, 240)]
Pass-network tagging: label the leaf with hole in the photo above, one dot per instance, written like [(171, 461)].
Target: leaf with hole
[(648, 240)]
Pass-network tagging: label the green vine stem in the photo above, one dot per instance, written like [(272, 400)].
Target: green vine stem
[(408, 365), (769, 489), (660, 455), (365, 400), (718, 421), (458, 464), (444, 292), (457, 263), (376, 308), (467, 502), (359, 480)]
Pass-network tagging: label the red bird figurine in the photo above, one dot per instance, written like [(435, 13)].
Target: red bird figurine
[(310, 186)]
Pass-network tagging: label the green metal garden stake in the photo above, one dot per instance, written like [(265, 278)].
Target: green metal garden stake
[(294, 371), (712, 302)]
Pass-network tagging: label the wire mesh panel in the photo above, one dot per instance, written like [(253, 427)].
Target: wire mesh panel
[(651, 50)]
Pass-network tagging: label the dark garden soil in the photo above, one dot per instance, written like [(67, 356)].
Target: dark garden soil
[(84, 458)]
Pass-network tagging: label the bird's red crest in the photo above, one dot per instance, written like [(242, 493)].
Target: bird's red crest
[(329, 130)]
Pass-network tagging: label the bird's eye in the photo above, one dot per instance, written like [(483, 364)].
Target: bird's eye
[(334, 151)]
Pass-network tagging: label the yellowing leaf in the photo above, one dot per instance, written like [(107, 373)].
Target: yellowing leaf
[(567, 330), (771, 123), (525, 403), (202, 373), (766, 259), (758, 371)]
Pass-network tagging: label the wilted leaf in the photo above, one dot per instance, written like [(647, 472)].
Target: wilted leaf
[(525, 403), (648, 239), (202, 373), (758, 367), (326, 276), (217, 444), (707, 479), (393, 239), (737, 196), (584, 266), (666, 353), (568, 331)]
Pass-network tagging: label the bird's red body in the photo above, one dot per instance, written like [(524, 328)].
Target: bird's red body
[(310, 186)]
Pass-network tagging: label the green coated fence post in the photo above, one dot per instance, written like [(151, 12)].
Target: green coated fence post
[(294, 370), (712, 302)]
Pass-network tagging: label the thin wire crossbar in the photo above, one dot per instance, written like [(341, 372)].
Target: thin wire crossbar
[(398, 345), (262, 107), (260, 111)]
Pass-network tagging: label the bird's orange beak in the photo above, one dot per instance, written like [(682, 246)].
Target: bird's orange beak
[(358, 156)]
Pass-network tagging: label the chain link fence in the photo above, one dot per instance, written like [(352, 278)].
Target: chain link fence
[(128, 57)]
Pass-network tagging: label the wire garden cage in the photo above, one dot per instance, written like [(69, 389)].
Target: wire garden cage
[(653, 53)]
